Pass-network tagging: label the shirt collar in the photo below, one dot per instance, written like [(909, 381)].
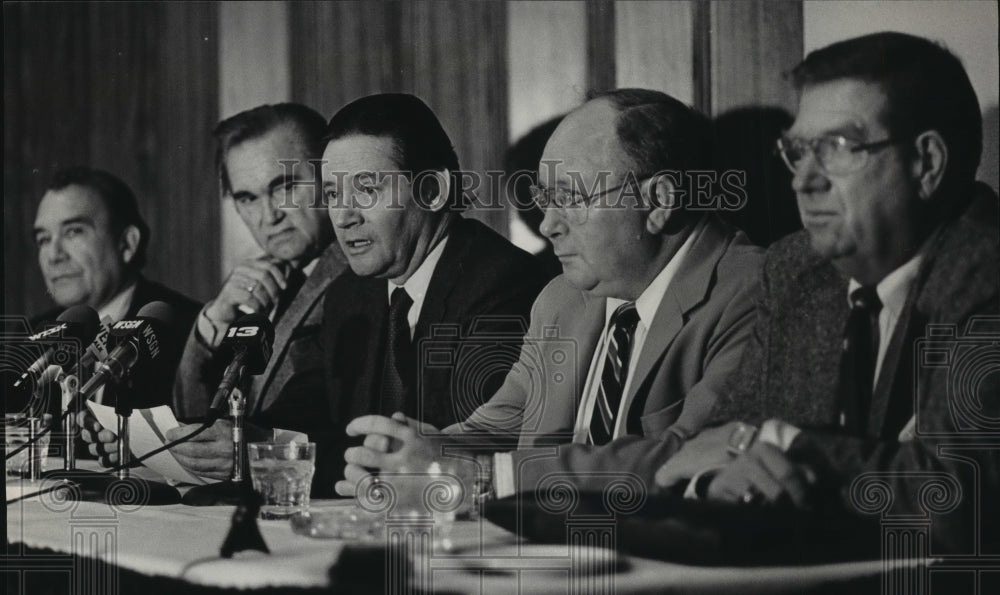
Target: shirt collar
[(649, 300), (892, 289), (308, 269), (117, 307), (416, 285)]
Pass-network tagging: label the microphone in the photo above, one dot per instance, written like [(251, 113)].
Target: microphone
[(249, 339), (135, 340), (97, 351), (77, 322)]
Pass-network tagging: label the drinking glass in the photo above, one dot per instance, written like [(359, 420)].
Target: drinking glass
[(282, 474), (18, 428)]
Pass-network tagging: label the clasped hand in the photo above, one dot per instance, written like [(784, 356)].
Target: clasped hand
[(391, 444), (763, 474)]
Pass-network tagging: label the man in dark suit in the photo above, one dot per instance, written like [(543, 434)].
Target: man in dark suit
[(593, 398), (433, 299), (92, 243), (860, 373), (281, 206)]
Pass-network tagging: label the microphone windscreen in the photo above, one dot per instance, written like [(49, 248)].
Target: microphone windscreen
[(259, 320), (83, 323), (159, 311)]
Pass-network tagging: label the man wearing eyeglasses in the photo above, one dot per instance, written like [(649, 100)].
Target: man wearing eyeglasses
[(630, 348), (856, 373)]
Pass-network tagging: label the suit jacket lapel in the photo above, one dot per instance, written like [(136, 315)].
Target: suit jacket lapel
[(585, 330), (362, 348), (685, 291), (435, 305), (816, 347), (327, 269)]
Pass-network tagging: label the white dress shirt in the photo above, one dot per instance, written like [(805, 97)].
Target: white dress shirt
[(416, 286)]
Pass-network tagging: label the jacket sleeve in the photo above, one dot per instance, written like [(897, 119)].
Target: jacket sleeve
[(198, 373), (945, 473)]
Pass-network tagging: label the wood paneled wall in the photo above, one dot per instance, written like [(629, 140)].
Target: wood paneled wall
[(452, 54), (127, 87), (136, 88)]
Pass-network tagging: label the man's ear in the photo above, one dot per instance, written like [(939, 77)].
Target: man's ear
[(664, 203), (930, 162), (434, 188), (128, 244)]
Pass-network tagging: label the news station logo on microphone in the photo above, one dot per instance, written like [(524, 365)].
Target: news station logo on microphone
[(27, 356), (252, 334), (136, 361)]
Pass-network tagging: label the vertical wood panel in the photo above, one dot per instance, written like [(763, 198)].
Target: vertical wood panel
[(547, 61), (753, 44), (253, 70), (128, 87), (600, 45), (342, 51), (186, 222), (654, 47), (451, 54)]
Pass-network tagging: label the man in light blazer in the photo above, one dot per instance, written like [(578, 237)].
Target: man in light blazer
[(631, 347), (281, 206)]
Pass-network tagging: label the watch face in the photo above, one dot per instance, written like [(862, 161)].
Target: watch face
[(741, 439)]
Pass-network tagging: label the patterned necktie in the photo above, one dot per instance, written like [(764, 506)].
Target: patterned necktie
[(397, 372), (613, 374), (857, 364)]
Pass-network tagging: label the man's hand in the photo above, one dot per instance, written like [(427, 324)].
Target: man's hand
[(253, 286), (210, 454), (763, 475), (392, 444), (101, 442), (705, 452)]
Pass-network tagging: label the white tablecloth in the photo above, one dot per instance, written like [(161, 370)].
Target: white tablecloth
[(183, 542)]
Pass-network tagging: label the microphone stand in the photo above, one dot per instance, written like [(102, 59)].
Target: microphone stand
[(121, 487), (96, 480), (232, 491)]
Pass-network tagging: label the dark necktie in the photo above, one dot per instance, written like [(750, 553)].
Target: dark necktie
[(613, 374), (857, 364), (397, 374), (293, 283)]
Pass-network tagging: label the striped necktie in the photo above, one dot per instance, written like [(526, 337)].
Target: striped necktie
[(613, 374)]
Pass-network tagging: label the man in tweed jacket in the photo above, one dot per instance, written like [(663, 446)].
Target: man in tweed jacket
[(884, 150)]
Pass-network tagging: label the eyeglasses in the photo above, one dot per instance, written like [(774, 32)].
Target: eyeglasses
[(573, 205), (834, 153)]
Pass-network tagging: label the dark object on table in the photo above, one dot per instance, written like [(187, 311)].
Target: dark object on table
[(96, 486), (692, 532), (244, 534), (223, 493)]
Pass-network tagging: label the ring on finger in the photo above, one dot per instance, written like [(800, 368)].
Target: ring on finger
[(251, 287), (750, 496)]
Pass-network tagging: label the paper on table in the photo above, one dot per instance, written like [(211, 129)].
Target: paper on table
[(147, 428)]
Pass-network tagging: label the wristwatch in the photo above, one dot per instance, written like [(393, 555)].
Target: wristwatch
[(741, 439)]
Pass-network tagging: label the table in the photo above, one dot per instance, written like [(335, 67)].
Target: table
[(182, 542)]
